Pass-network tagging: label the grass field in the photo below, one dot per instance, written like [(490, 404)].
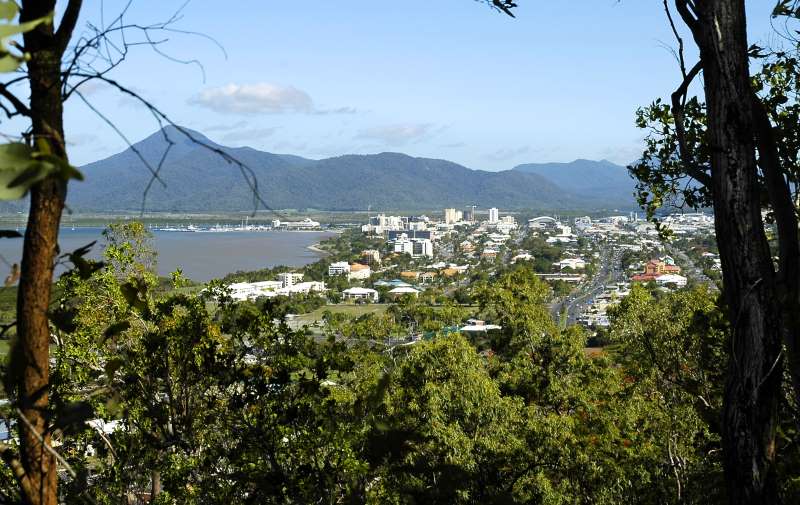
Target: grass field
[(353, 310)]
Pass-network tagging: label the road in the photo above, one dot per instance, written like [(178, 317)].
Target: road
[(610, 271)]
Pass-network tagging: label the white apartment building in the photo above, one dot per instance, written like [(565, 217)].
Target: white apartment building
[(415, 247), (494, 215), (252, 290), (289, 279), (422, 247), (403, 245), (339, 268), (382, 223)]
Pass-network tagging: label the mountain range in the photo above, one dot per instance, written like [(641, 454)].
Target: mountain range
[(196, 178)]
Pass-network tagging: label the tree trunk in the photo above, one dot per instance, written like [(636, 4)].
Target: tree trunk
[(754, 375), (155, 485), (32, 356)]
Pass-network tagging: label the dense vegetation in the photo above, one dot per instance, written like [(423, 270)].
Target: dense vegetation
[(219, 402)]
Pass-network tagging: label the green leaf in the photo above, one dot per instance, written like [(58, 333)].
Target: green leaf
[(9, 30), (30, 176), (112, 366), (8, 10), (116, 329), (8, 62), (15, 158)]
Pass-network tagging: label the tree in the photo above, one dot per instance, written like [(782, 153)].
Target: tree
[(728, 144), (45, 47), (55, 65)]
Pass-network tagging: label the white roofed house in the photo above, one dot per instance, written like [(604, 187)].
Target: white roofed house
[(360, 294), (571, 263), (523, 256), (674, 279), (403, 291)]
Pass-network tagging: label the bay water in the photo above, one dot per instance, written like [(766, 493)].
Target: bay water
[(201, 255)]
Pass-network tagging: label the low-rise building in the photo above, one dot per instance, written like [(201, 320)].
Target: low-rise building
[(371, 257), (303, 288), (522, 257), (339, 268), (571, 263), (655, 268), (671, 279), (251, 290), (360, 294), (359, 272), (403, 291), (427, 277), (410, 276)]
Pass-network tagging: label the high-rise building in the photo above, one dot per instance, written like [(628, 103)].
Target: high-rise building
[(450, 216), (422, 247), (494, 215)]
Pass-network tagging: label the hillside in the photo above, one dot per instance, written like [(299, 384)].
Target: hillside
[(601, 181), (197, 179)]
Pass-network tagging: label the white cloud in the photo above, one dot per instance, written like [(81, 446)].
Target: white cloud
[(338, 110), (261, 98), (399, 134)]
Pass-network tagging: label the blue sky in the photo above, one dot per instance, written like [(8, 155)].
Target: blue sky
[(446, 79)]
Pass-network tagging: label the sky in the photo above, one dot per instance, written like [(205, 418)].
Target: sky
[(451, 79)]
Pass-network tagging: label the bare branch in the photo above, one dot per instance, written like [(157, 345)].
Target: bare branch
[(679, 52), (678, 101), (19, 107)]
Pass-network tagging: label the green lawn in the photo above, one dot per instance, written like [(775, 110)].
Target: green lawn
[(353, 310)]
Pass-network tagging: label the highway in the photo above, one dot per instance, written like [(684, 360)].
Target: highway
[(609, 272)]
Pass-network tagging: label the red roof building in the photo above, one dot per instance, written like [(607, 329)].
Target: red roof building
[(656, 268)]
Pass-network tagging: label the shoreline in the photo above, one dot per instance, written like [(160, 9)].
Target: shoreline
[(320, 252)]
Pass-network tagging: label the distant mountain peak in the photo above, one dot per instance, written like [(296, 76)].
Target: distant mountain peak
[(179, 135), (589, 178), (199, 180)]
